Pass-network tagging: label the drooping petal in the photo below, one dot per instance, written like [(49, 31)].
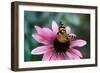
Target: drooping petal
[(78, 53), (68, 30), (40, 50), (47, 56), (54, 56), (40, 39), (75, 56), (71, 55), (78, 43), (65, 56), (54, 27), (60, 57)]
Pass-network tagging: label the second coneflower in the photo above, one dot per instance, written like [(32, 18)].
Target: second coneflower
[(58, 43)]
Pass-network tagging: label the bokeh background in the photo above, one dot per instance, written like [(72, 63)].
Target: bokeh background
[(80, 24)]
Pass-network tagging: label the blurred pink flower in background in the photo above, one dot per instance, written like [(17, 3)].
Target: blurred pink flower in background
[(50, 49)]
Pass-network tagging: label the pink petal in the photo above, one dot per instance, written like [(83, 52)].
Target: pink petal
[(68, 30), (72, 55), (69, 55), (54, 27), (40, 50), (72, 34), (60, 57), (54, 56), (78, 43), (78, 53), (42, 31), (46, 33), (65, 56), (38, 29), (40, 39), (47, 56), (75, 56)]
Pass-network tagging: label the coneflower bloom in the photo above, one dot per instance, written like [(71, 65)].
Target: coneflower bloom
[(58, 43)]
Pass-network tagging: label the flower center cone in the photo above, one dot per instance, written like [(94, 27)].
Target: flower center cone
[(61, 47)]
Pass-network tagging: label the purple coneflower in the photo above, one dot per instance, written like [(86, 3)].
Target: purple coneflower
[(58, 43)]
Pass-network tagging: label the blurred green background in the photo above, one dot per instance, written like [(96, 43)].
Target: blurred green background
[(80, 24)]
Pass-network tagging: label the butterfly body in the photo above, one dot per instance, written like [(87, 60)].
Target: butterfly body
[(62, 36), (62, 41)]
